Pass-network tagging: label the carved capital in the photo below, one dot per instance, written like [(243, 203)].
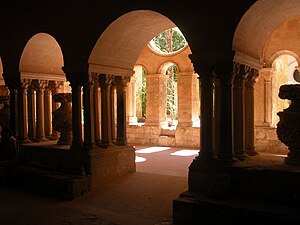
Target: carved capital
[(252, 76), (226, 71), (105, 81), (121, 81)]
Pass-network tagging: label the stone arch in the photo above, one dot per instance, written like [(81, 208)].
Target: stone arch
[(42, 55), (165, 65), (279, 53), (270, 15), (41, 77), (119, 46)]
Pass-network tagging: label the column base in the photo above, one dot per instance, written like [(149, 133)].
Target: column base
[(24, 141), (251, 152), (41, 139)]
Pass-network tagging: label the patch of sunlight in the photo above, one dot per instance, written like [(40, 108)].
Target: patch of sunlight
[(185, 152), (281, 155), (139, 159), (152, 149)]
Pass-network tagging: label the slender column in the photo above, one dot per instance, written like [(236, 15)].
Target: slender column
[(55, 86), (131, 101), (76, 116), (97, 113), (47, 109), (105, 84), (121, 83), (112, 113), (206, 112), (31, 113), (89, 119), (239, 112), (40, 117), (23, 135), (266, 74), (185, 99), (226, 76), (249, 112)]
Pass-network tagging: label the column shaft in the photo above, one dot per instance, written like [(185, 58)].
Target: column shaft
[(97, 114), (121, 110), (76, 116), (105, 83), (47, 109), (88, 105), (249, 113), (40, 117), (31, 114), (23, 135)]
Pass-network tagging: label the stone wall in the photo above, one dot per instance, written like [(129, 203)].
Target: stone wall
[(181, 137), (266, 141)]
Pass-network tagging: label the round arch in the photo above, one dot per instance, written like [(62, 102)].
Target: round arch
[(165, 65), (119, 46), (262, 19), (41, 55), (280, 53)]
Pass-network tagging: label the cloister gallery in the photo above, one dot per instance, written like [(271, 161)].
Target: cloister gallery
[(96, 85)]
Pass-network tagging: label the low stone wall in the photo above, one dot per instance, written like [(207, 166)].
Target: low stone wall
[(266, 140), (153, 135)]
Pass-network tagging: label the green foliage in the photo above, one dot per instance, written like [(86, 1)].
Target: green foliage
[(172, 103), (178, 41), (143, 95)]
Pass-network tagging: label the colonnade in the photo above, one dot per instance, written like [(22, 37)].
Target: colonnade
[(227, 112), (188, 99), (98, 107)]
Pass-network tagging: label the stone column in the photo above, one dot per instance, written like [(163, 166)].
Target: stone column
[(55, 86), (105, 82), (156, 99), (131, 101), (31, 113), (76, 115), (249, 112), (239, 112), (47, 109), (266, 74), (226, 73), (112, 113), (185, 99), (88, 105), (206, 113), (121, 83), (40, 117), (96, 94), (22, 97), (12, 82)]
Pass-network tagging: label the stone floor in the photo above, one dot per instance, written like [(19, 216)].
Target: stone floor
[(142, 198)]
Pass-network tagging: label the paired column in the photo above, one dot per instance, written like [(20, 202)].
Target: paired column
[(239, 112), (97, 111), (121, 83), (40, 116), (105, 82), (206, 114), (88, 106), (31, 113), (47, 108), (226, 76), (23, 135), (55, 86), (249, 112), (76, 115)]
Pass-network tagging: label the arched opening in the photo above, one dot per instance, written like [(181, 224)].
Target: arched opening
[(41, 79), (283, 69), (124, 51)]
